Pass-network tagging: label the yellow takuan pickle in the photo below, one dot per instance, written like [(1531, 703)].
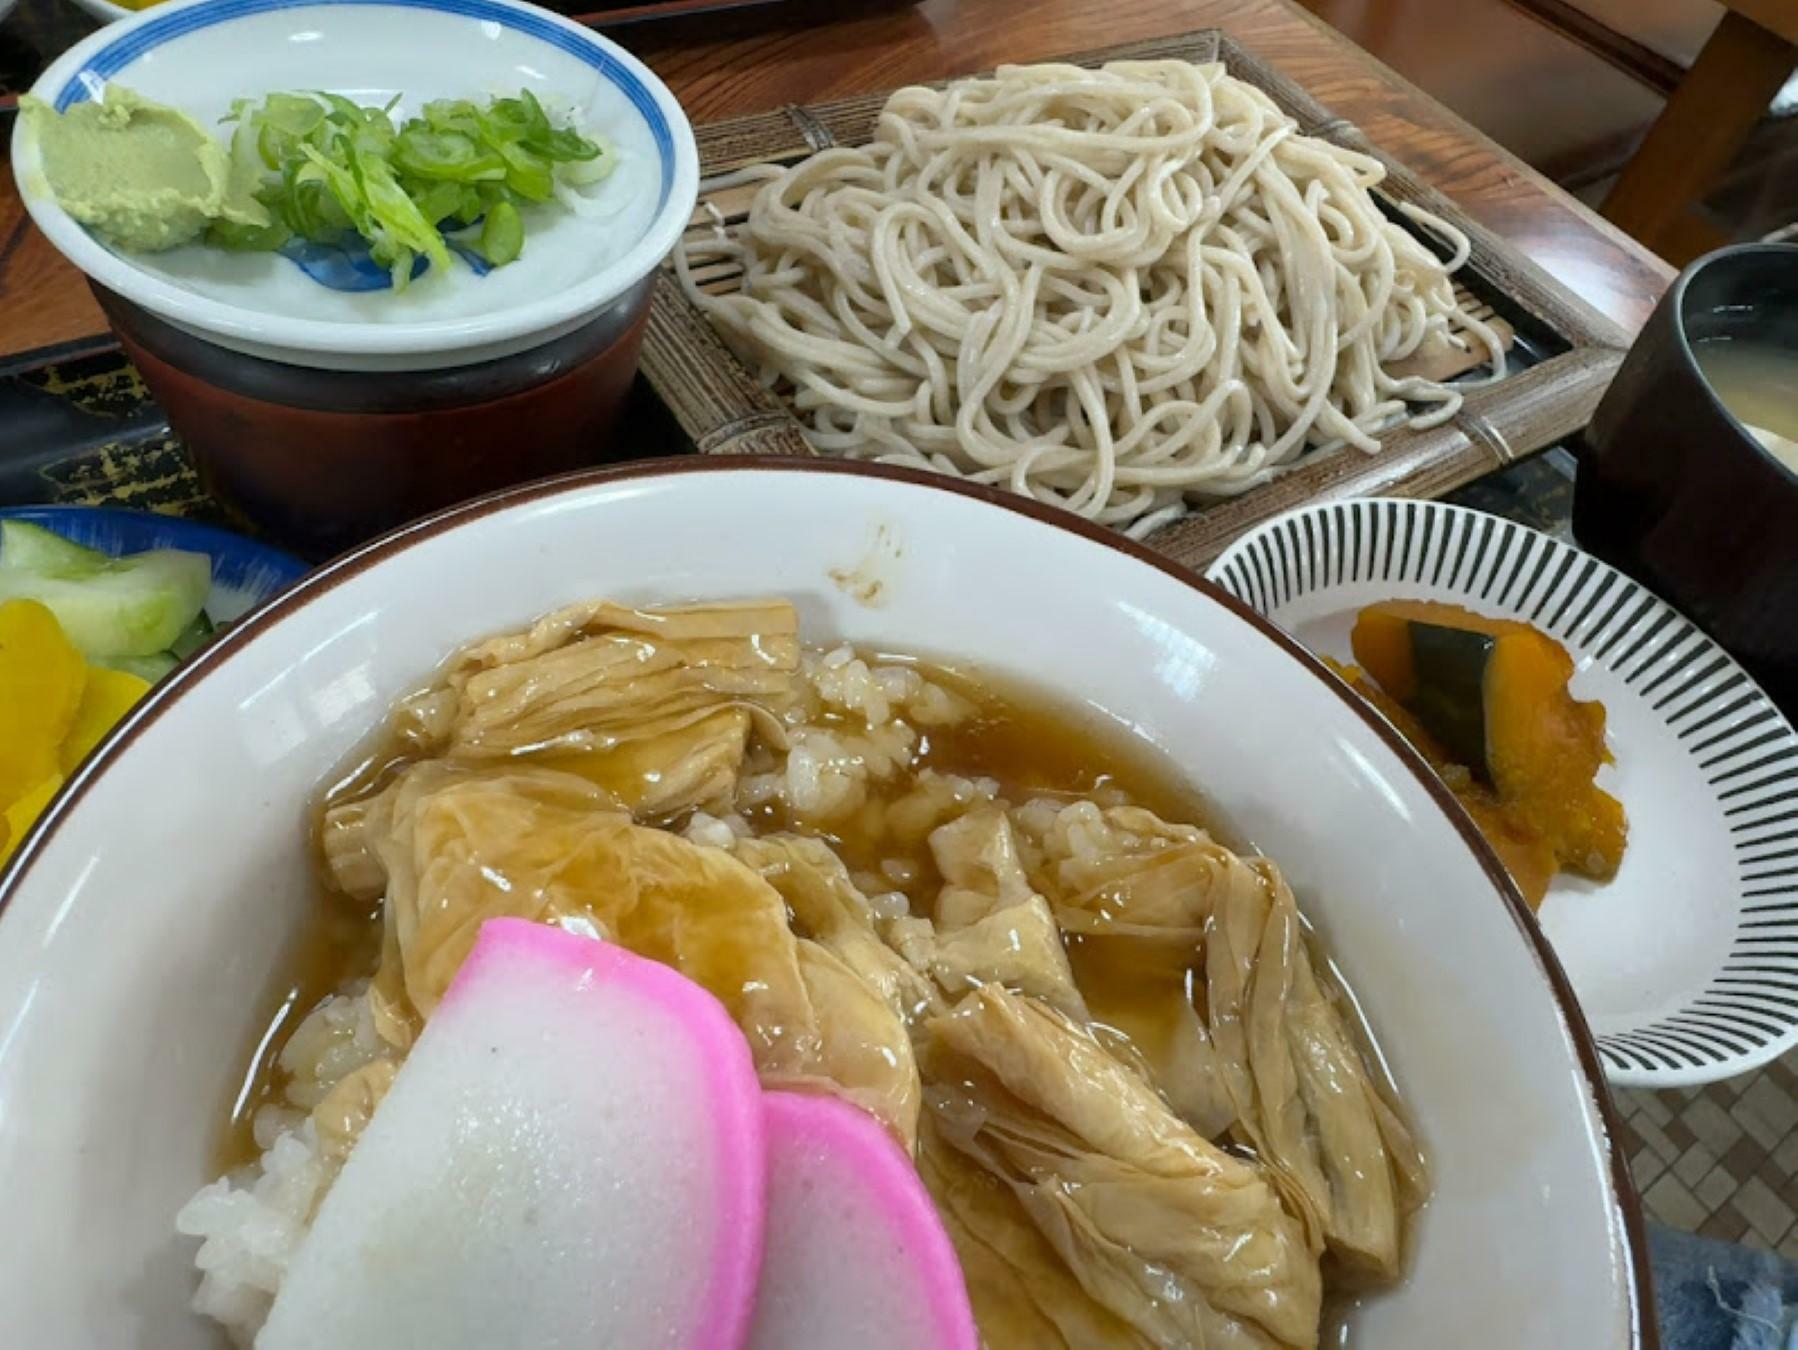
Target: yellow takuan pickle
[(54, 709), (41, 678)]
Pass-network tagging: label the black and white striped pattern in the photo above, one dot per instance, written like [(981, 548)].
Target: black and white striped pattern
[(1744, 749)]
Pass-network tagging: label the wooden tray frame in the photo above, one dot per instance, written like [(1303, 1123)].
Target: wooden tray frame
[(720, 405)]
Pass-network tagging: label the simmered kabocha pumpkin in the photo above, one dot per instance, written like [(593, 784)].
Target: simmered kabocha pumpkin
[(1527, 856), (1493, 693)]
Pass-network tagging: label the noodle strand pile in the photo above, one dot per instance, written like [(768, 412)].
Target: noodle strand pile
[(1104, 289)]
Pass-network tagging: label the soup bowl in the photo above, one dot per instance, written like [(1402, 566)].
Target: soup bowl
[(146, 924), (1674, 490)]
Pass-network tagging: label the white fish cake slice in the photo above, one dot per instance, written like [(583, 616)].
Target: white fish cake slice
[(572, 1156), (856, 1257)]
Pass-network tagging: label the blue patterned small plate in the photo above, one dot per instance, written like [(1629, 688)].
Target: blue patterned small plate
[(1686, 965), (325, 307), (244, 573)]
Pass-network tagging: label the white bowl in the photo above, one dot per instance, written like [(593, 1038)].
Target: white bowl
[(200, 55), (144, 928)]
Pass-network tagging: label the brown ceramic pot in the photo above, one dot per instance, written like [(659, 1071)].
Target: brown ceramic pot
[(1675, 492), (322, 459)]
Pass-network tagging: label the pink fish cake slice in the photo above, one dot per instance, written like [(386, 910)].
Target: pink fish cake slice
[(571, 1156), (855, 1257)]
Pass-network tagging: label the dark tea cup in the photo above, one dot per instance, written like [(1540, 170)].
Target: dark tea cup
[(1673, 488)]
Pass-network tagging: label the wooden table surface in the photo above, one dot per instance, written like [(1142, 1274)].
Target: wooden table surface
[(719, 66)]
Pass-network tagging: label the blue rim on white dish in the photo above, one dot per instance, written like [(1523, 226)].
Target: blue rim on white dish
[(1686, 965), (509, 325), (244, 572), (165, 24)]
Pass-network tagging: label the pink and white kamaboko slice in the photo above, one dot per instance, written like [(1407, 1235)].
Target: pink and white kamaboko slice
[(855, 1254), (572, 1155)]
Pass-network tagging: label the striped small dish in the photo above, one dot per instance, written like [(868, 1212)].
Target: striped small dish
[(1686, 965)]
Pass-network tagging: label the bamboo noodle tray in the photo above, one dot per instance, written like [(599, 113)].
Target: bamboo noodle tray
[(1562, 352)]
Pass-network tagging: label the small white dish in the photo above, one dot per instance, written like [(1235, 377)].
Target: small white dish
[(1686, 963), (149, 917), (201, 55)]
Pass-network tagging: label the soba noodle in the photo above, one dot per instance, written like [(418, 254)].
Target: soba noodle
[(1106, 289)]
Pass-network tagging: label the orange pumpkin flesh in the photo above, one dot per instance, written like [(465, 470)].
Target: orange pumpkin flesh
[(1542, 747)]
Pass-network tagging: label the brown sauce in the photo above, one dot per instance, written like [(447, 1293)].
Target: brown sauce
[(1028, 741), (1031, 743), (1035, 745)]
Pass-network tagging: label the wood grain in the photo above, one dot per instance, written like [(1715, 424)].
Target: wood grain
[(724, 410), (1698, 133), (725, 65), (1776, 16), (43, 298), (1624, 51)]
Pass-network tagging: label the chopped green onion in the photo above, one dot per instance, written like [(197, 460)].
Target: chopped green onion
[(423, 153), (297, 115), (439, 202), (502, 235), (229, 235), (586, 172), (564, 145), (527, 174), (323, 164)]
